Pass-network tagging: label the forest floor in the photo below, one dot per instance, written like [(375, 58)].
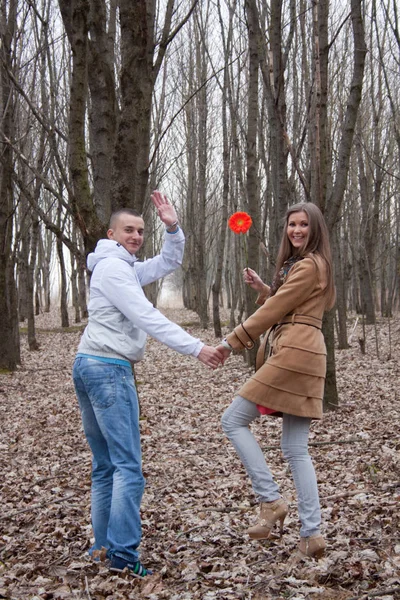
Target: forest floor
[(198, 501)]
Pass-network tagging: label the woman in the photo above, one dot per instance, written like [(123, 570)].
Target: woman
[(290, 383)]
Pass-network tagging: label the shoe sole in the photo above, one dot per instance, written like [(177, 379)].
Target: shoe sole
[(131, 573), (316, 556), (259, 537)]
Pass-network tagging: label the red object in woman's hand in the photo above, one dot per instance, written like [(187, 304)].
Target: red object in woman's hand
[(240, 222)]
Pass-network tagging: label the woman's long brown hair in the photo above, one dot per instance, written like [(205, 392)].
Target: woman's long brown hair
[(317, 242)]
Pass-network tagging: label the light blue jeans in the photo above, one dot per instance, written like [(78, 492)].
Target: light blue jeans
[(110, 414), (294, 443)]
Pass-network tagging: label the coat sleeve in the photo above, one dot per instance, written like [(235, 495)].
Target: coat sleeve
[(262, 296), (300, 284)]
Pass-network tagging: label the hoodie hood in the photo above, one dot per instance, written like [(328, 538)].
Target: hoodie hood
[(109, 249)]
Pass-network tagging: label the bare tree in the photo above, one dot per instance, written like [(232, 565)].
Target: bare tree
[(197, 144), (335, 199), (9, 337), (220, 249)]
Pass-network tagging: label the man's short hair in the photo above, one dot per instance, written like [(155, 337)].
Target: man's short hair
[(122, 211)]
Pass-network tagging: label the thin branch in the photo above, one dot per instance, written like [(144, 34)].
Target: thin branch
[(87, 588), (183, 22), (44, 479), (40, 117), (185, 104), (345, 494), (353, 330), (225, 509), (167, 39), (339, 29), (190, 530), (331, 442), (369, 594), (13, 513)]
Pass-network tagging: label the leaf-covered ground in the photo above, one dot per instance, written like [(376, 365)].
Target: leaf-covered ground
[(198, 501)]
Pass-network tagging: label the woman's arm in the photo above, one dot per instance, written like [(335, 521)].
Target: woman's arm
[(256, 283), (299, 285)]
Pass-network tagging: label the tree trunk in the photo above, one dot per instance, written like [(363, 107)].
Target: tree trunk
[(331, 399), (9, 332), (354, 99), (320, 171), (366, 247), (197, 144), (336, 198), (201, 252), (103, 103), (252, 203), (131, 157), (272, 69), (22, 269), (75, 14), (366, 295), (74, 289), (63, 285), (340, 291), (32, 341), (82, 287), (44, 262), (217, 285)]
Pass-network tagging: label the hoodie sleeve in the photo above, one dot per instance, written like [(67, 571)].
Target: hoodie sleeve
[(169, 259), (120, 286)]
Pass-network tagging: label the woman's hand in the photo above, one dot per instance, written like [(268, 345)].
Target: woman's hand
[(253, 280)]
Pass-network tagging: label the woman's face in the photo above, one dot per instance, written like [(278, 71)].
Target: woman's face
[(297, 229)]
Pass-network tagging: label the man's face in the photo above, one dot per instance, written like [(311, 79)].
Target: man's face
[(128, 231)]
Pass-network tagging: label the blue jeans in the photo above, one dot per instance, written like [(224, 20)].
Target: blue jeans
[(110, 414), (294, 443)]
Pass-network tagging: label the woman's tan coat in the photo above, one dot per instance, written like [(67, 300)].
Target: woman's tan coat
[(293, 377)]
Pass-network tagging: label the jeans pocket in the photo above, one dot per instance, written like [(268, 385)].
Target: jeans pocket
[(100, 385)]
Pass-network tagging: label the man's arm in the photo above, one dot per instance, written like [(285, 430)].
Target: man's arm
[(119, 287), (171, 255)]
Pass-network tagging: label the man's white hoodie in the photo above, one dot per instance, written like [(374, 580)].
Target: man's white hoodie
[(120, 316)]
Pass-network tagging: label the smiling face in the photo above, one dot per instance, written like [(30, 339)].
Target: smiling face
[(128, 231), (297, 229)]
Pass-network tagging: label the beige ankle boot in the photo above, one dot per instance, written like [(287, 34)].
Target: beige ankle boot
[(313, 546), (270, 513)]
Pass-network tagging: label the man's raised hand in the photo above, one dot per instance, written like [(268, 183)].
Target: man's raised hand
[(165, 210)]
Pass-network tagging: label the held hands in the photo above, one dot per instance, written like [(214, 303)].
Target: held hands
[(225, 352), (212, 357), (165, 210)]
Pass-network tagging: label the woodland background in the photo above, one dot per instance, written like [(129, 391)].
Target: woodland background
[(223, 105)]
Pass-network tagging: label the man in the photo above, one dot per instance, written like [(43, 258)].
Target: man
[(120, 317)]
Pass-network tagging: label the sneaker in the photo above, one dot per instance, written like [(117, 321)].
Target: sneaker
[(136, 568)]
